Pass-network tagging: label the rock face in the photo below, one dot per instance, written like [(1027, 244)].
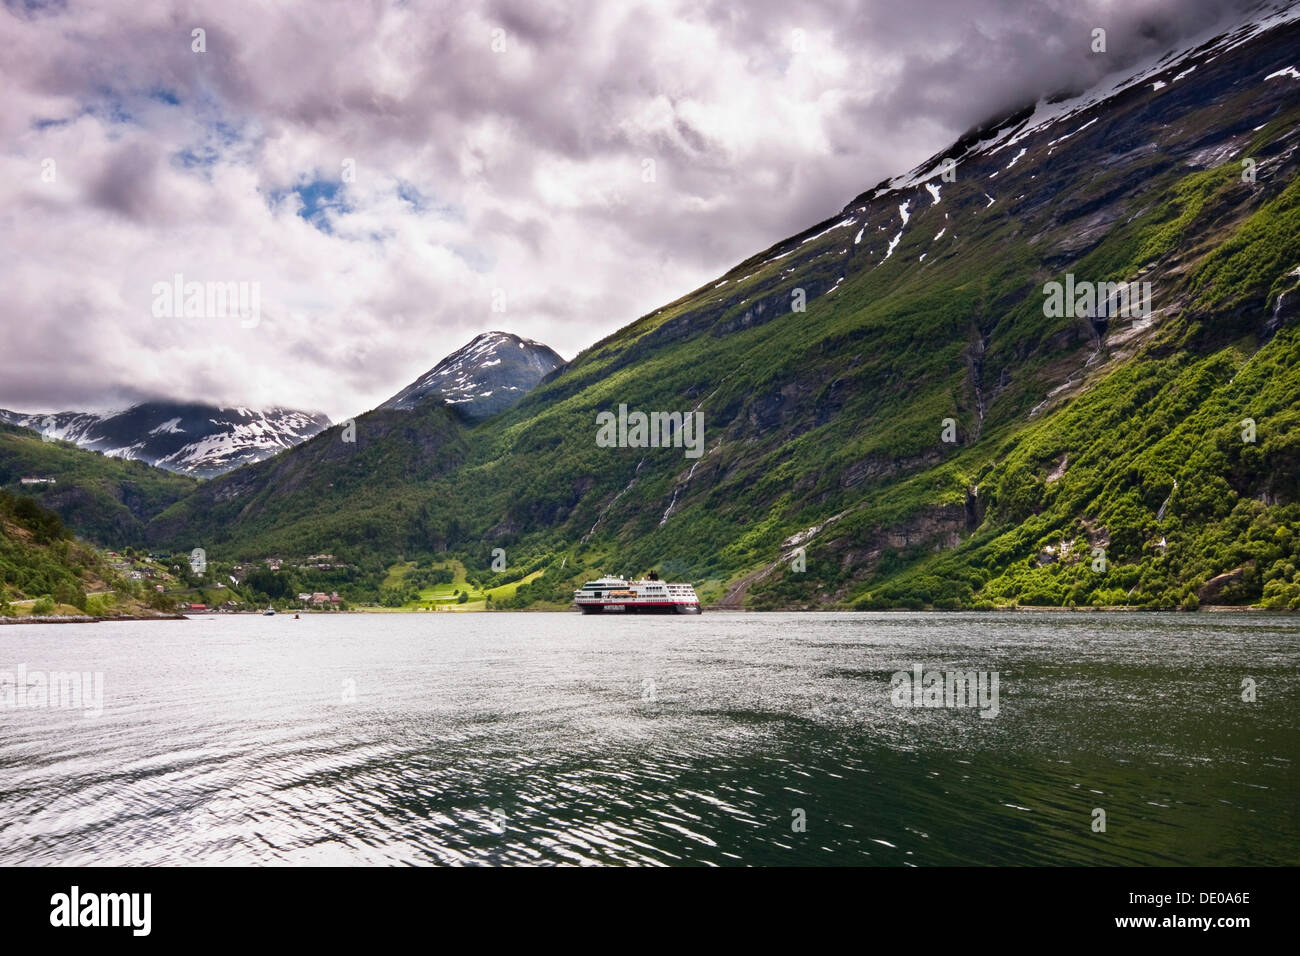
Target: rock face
[(191, 439), (483, 378), (1215, 588)]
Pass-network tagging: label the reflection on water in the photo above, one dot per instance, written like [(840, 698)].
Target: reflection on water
[(536, 738)]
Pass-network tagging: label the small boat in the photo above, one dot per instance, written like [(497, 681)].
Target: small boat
[(269, 612)]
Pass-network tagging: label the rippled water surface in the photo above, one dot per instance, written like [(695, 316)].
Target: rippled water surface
[(558, 738)]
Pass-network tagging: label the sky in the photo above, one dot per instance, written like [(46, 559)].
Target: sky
[(383, 181)]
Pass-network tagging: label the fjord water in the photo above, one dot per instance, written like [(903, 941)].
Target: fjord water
[(557, 738)]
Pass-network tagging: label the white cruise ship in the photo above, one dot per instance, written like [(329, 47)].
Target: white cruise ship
[(648, 596)]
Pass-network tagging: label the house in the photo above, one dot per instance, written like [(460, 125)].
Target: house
[(334, 598), (320, 598), (304, 597), (36, 481), (198, 607)]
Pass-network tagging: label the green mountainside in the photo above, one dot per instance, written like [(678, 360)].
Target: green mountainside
[(107, 500), (1095, 460), (44, 572), (363, 487)]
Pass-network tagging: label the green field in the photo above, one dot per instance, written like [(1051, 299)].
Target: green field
[(447, 596)]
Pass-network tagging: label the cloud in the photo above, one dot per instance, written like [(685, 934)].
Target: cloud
[(388, 172)]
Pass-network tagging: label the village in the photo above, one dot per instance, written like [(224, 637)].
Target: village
[(197, 586)]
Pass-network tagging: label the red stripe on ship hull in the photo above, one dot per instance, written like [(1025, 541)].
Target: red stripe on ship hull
[(638, 603)]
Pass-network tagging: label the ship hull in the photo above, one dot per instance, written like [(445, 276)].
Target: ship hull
[(630, 607), (615, 595)]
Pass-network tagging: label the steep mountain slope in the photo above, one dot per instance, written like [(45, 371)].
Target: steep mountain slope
[(108, 500), (339, 487), (827, 429), (43, 571), (191, 439), (483, 378)]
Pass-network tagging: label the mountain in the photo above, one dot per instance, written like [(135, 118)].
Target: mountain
[(899, 407), (483, 378), (333, 488), (108, 500), (416, 436), (188, 438)]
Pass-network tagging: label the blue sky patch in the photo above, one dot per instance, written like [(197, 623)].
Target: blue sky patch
[(316, 198)]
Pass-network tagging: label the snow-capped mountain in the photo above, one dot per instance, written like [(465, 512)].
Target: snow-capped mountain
[(485, 377), (1058, 113), (192, 439), (1040, 131)]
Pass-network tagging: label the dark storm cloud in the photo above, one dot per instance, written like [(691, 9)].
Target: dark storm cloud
[(993, 57), (126, 183)]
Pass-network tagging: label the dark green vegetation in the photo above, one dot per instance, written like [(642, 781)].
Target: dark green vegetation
[(1078, 439), (44, 571), (371, 496), (108, 500)]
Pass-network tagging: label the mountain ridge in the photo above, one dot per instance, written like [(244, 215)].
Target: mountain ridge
[(184, 437)]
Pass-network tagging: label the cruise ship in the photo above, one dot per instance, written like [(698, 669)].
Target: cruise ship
[(647, 596)]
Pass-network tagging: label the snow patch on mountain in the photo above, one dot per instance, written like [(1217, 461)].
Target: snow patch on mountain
[(892, 243), (168, 427)]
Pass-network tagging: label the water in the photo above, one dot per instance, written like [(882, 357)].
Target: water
[(548, 738)]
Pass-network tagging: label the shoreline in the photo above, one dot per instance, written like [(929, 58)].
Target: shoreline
[(1036, 609), (87, 618), (1028, 609)]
